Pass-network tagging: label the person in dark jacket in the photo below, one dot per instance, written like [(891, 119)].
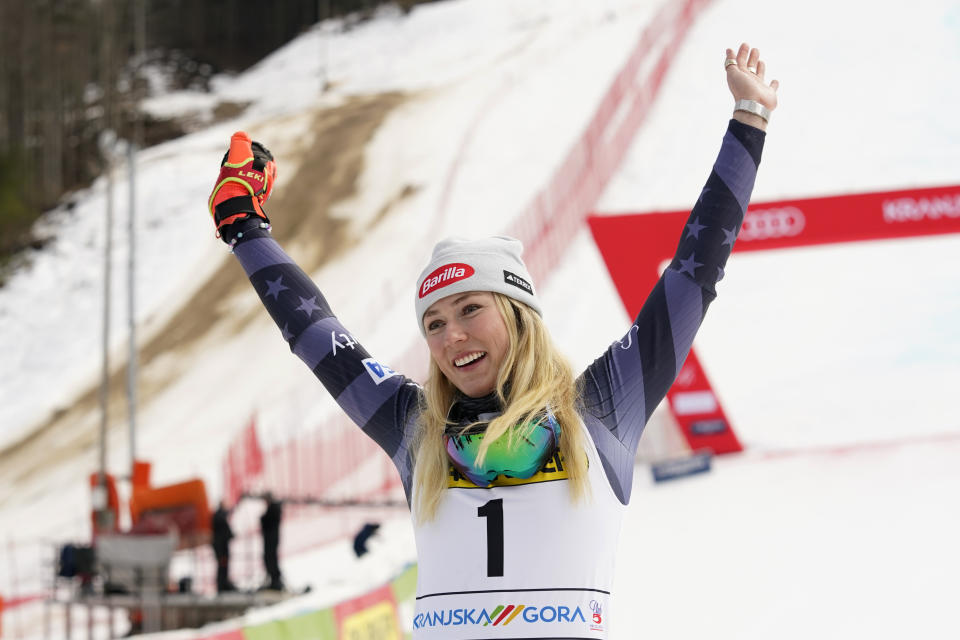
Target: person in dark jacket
[(517, 472), (270, 528), (222, 534)]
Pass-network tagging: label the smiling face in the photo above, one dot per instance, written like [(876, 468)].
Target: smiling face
[(468, 340)]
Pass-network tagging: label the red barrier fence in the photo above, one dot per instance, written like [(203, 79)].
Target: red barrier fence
[(550, 221), (314, 465), (635, 245)]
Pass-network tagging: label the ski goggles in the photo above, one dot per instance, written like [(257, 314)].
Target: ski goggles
[(520, 456)]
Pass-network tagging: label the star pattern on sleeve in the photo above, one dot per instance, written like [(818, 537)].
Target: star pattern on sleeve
[(274, 287), (308, 305), (285, 332), (730, 236), (695, 228), (690, 265)]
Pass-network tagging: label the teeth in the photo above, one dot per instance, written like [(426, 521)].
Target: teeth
[(465, 360)]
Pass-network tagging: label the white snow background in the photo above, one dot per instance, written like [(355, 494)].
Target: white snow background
[(838, 366)]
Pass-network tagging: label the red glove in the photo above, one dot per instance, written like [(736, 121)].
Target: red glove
[(247, 174)]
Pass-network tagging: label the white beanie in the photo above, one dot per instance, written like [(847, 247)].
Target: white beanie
[(488, 264)]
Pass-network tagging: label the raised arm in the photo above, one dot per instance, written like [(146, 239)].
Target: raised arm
[(623, 387), (379, 400), (745, 78)]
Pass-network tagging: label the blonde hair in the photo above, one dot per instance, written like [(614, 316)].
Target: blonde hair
[(534, 375)]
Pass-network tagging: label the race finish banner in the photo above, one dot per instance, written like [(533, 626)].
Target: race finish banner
[(635, 245)]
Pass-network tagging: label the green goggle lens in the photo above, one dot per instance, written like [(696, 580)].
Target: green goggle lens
[(520, 456)]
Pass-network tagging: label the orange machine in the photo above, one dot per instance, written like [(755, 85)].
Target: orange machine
[(182, 507)]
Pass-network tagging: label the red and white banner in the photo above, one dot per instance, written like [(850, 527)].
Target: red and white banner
[(635, 245)]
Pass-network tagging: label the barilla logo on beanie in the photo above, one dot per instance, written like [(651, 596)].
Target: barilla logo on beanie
[(445, 275), (459, 265)]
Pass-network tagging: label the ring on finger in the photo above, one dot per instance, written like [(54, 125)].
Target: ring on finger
[(752, 69), (728, 62)]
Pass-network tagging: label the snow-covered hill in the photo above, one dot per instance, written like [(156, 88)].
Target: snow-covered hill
[(837, 366)]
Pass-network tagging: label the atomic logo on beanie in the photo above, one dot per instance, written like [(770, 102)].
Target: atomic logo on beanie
[(488, 264)]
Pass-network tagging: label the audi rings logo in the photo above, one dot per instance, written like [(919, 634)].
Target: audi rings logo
[(766, 224)]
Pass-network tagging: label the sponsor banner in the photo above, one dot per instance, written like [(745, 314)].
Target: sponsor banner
[(307, 626), (513, 614), (372, 616), (698, 412), (850, 218), (635, 245)]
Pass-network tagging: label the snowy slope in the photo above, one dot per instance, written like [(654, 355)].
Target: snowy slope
[(837, 365)]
